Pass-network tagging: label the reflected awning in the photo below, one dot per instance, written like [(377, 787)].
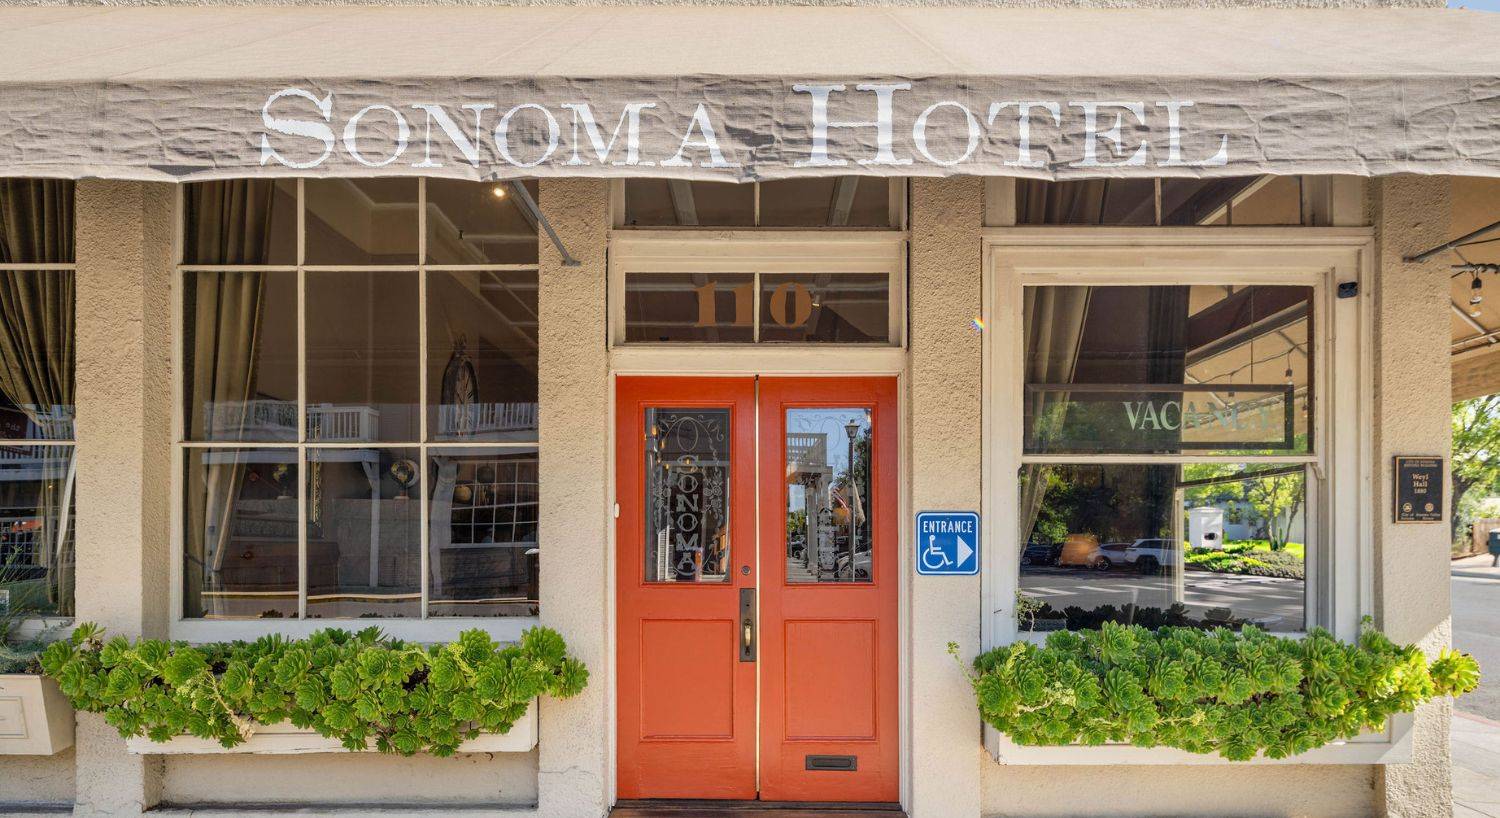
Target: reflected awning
[(745, 93)]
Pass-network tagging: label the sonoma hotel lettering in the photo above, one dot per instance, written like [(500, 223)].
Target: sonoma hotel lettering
[(303, 130)]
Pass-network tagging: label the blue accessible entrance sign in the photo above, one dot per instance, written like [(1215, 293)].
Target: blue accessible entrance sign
[(947, 543)]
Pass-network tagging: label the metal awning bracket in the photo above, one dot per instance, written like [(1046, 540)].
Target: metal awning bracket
[(529, 207)]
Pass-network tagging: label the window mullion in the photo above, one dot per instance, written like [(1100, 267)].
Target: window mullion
[(303, 478), (422, 431)]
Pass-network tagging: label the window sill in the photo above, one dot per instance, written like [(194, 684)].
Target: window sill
[(285, 739), (426, 631), (1390, 746)]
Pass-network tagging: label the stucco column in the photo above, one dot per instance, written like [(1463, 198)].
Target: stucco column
[(945, 419), (123, 394), (573, 364), (1412, 417)]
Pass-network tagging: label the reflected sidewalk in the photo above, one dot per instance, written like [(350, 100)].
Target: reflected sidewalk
[(1476, 766), (1478, 566)]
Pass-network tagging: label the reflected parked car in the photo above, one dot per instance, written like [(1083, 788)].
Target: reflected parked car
[(1078, 550), (1109, 555), (1146, 555), (1042, 553)]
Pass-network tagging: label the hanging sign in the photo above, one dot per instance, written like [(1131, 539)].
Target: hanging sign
[(1419, 489), (947, 543)]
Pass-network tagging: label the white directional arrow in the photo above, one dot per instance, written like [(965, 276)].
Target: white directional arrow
[(964, 551)]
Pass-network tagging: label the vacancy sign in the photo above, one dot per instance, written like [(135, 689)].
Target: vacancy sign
[(947, 543)]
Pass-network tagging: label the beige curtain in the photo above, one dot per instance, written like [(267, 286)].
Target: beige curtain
[(36, 354), (229, 223), (1054, 320)]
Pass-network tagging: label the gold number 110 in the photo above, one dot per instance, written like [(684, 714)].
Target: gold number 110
[(793, 314)]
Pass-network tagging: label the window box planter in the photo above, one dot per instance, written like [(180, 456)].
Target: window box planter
[(285, 739), (1389, 746), (35, 717)]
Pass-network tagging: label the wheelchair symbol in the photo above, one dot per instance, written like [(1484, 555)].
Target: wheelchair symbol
[(934, 558)]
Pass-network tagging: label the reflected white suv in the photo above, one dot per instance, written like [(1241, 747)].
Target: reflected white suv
[(1150, 556)]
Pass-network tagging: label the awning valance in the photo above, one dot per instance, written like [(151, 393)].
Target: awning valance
[(735, 93)]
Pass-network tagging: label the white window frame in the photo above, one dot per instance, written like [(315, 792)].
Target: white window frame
[(425, 628), (31, 626), (1340, 570), (758, 252)]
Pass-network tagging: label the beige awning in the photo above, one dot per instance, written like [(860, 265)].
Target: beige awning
[(745, 92)]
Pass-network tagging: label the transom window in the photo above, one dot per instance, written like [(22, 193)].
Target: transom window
[(839, 203), (359, 400), (1222, 202), (37, 465)]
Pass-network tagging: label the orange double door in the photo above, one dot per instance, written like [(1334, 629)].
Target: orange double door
[(757, 588)]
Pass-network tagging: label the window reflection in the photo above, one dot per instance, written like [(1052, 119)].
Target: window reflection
[(1192, 545), (363, 532), (687, 495), (37, 527), (844, 309), (482, 553), (828, 514), (481, 355), (469, 223), (361, 221), (362, 354), (1168, 369), (240, 533), (240, 355)]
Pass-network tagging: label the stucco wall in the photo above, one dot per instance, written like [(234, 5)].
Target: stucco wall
[(500, 779), (1159, 792), (36, 781), (946, 425), (1412, 406), (573, 366)]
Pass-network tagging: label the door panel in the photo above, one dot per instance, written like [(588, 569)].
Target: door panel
[(828, 588), (819, 644), (685, 478)]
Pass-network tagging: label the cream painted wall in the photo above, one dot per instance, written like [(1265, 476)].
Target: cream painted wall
[(1412, 406), (946, 424), (36, 781), (500, 779), (573, 365), (1153, 792)]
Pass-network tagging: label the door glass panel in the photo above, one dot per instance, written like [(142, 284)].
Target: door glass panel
[(687, 495), (827, 502)]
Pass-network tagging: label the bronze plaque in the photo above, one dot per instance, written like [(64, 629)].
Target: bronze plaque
[(1419, 489)]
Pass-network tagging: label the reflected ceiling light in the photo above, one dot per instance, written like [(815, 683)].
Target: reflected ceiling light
[(498, 191)]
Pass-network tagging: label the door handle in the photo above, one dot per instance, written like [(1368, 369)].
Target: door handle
[(747, 624)]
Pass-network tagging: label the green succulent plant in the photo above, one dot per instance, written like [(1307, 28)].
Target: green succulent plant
[(1238, 694), (361, 688)]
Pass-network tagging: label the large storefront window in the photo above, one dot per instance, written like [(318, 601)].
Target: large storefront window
[(359, 400), (1167, 455), (37, 469)]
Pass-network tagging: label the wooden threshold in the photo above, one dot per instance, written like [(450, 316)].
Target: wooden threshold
[(751, 809)]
